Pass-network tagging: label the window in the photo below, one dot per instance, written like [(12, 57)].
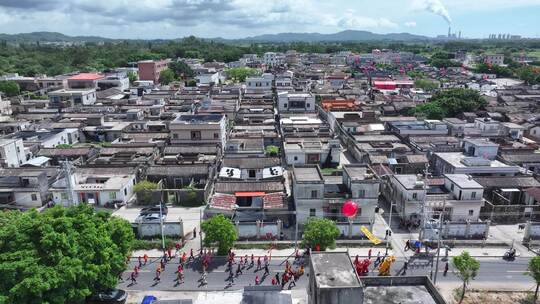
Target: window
[(34, 197), (415, 195), (112, 195), (473, 194), (471, 212), (296, 158), (312, 212), (125, 191), (361, 193), (195, 135), (64, 196), (175, 135), (452, 187), (216, 135), (314, 193)]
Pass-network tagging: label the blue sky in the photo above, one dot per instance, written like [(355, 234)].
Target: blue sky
[(241, 18)]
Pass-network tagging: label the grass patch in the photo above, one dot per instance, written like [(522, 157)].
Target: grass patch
[(330, 170), (267, 246)]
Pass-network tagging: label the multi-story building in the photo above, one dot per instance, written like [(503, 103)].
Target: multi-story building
[(316, 195), (27, 188), (12, 153), (259, 84), (84, 81), (66, 98), (118, 81), (270, 59), (494, 59), (459, 197), (199, 129), (150, 69), (296, 102)]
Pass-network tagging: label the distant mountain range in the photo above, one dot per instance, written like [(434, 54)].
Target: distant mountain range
[(348, 35), (49, 37)]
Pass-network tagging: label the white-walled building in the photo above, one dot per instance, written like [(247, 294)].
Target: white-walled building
[(98, 185), (12, 153), (296, 102), (259, 84), (66, 98), (270, 59)]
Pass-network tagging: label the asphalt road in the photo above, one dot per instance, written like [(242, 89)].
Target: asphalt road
[(492, 271), (217, 278)]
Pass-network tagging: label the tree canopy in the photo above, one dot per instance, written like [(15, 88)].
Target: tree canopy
[(534, 272), (500, 71), (466, 269), (449, 103), (320, 232), (10, 88), (61, 255), (181, 69), (144, 192), (220, 231), (166, 76), (426, 84), (240, 74)]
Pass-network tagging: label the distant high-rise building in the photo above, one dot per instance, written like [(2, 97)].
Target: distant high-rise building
[(459, 35), (449, 32)]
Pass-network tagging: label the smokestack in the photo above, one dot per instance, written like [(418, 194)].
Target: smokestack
[(459, 35), (449, 32)]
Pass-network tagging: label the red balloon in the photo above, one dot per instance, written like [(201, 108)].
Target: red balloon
[(349, 209)]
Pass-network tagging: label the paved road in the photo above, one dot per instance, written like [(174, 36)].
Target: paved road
[(492, 271), (217, 276)]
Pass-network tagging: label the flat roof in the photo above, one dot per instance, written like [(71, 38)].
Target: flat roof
[(86, 76), (199, 118), (398, 294), (333, 269), (307, 174), (463, 181)]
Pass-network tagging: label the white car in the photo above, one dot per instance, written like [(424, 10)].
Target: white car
[(150, 218)]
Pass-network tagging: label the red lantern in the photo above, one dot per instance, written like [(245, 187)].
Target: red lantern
[(349, 209)]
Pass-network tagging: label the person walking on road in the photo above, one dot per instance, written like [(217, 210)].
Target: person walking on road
[(133, 278), (258, 264), (293, 282), (257, 280), (277, 277), (445, 269), (405, 267), (407, 245), (252, 260), (177, 246), (139, 259), (274, 282), (194, 232), (191, 256), (266, 270), (369, 254), (169, 252), (158, 274), (145, 257), (239, 270)]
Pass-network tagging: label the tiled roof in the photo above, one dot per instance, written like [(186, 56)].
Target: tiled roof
[(223, 201), (274, 201)]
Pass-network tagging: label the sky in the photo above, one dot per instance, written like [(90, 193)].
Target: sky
[(151, 19)]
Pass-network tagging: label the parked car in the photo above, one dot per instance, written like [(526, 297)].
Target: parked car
[(150, 217), (113, 296), (155, 209)]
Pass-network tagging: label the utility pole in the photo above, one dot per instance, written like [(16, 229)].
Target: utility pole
[(200, 224), (423, 206), (70, 192), (438, 245), (160, 186), (296, 230)]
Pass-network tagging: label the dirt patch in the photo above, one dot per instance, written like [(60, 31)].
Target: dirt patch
[(492, 296)]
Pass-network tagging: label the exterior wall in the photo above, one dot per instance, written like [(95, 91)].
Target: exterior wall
[(13, 154), (173, 229), (150, 70), (295, 158), (67, 136), (25, 199)]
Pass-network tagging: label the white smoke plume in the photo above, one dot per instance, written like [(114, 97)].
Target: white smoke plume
[(433, 6)]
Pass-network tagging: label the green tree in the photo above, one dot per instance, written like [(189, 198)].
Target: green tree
[(466, 269), (426, 85), (10, 88), (531, 75), (144, 190), (240, 74), (272, 150), (166, 76), (191, 83), (500, 71), (320, 232), (534, 272), (181, 69), (219, 231), (60, 255), (430, 110), (132, 77)]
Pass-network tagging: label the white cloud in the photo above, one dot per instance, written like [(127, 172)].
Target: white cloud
[(410, 24), (352, 21)]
